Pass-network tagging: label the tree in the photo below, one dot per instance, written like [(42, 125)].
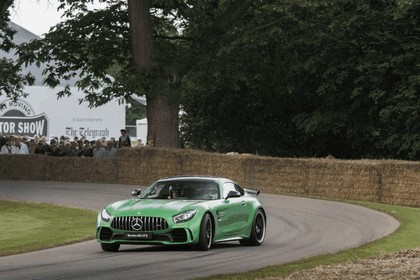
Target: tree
[(11, 81), (155, 44), (312, 78)]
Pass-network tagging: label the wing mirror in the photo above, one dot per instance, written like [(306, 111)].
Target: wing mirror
[(136, 192), (233, 194)]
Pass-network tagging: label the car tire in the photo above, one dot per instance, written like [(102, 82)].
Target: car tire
[(110, 247), (206, 233), (258, 230)]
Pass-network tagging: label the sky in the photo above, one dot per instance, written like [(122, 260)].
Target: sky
[(37, 16)]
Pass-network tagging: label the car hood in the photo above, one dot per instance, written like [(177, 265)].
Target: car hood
[(150, 207)]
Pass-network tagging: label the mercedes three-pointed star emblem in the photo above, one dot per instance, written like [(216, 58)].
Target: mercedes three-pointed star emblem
[(136, 224)]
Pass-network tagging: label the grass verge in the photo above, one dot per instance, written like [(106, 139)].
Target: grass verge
[(406, 237), (33, 226)]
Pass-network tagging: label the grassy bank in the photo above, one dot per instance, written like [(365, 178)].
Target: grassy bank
[(32, 226), (406, 237)]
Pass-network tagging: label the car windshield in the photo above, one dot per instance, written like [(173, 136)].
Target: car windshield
[(183, 189)]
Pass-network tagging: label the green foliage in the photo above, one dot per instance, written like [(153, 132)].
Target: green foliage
[(11, 81), (86, 46), (294, 78), (6, 33), (312, 78), (163, 41), (89, 43)]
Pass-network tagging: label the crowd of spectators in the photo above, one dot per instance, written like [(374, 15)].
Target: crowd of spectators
[(63, 146)]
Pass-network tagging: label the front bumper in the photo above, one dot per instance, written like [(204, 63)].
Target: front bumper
[(170, 237)]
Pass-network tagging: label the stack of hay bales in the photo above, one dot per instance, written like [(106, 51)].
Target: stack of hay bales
[(394, 182)]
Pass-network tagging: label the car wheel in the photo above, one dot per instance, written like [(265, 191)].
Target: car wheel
[(206, 233), (110, 247), (258, 230)]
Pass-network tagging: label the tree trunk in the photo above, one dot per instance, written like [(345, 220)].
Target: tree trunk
[(163, 97), (163, 118), (162, 107), (141, 31)]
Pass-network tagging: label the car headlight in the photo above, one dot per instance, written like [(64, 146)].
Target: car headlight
[(185, 216), (105, 216)]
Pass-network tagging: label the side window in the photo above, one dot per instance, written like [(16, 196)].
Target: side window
[(227, 187), (239, 189)]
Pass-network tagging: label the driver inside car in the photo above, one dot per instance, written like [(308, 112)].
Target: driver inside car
[(174, 192)]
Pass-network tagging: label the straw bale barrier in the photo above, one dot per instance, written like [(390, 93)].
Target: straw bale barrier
[(393, 182)]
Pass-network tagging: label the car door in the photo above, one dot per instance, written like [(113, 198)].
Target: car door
[(233, 213)]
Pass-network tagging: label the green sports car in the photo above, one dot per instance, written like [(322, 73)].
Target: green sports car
[(191, 210)]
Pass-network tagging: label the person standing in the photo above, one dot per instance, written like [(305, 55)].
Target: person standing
[(9, 147), (54, 151), (21, 147), (124, 140), (87, 149), (2, 141), (111, 151), (68, 150), (99, 150), (32, 146)]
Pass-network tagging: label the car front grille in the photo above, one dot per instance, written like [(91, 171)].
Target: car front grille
[(147, 223)]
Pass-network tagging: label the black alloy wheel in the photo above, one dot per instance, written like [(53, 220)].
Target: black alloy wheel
[(258, 230), (206, 233)]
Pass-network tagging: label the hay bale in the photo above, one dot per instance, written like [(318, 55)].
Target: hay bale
[(395, 182)]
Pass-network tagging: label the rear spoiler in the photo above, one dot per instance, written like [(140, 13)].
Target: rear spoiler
[(253, 191)]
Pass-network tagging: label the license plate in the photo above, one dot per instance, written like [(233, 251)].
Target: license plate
[(138, 235)]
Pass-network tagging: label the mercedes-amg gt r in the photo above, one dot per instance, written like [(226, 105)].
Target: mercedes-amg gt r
[(187, 210)]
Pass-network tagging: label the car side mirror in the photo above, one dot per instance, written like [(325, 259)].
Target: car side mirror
[(136, 192), (233, 194)]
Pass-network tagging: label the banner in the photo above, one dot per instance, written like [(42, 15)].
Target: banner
[(17, 118), (42, 113)]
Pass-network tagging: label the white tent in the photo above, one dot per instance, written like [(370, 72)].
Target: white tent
[(43, 114)]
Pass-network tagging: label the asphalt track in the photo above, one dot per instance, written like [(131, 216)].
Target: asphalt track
[(297, 228)]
